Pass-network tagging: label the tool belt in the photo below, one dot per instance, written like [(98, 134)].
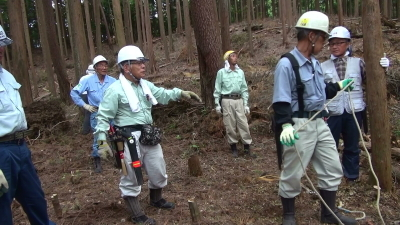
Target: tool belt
[(309, 114), (232, 96), (150, 135), (16, 136)]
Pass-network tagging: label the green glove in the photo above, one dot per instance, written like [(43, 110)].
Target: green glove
[(3, 184), (344, 83), (190, 95), (288, 137)]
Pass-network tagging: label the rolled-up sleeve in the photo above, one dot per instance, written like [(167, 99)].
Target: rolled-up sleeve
[(283, 82)]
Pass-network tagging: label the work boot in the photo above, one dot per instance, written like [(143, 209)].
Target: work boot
[(234, 150), (138, 216), (156, 200), (326, 216), (97, 165), (248, 152), (288, 211)]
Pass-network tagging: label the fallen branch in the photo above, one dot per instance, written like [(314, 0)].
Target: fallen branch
[(164, 65)]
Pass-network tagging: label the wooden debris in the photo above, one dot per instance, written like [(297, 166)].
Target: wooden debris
[(56, 205), (194, 166), (194, 211)]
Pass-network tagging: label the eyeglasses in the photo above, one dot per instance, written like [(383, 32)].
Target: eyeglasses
[(137, 62), (331, 44), (102, 66)]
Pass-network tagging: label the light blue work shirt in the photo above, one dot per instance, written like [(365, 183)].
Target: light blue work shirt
[(95, 90), (12, 115), (231, 82), (311, 76), (115, 106)]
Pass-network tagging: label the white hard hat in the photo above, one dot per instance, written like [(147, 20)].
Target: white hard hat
[(314, 20), (130, 52), (4, 40), (98, 59), (339, 32), (90, 69)]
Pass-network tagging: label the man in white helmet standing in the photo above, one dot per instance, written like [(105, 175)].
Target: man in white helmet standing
[(128, 102), (95, 86), (341, 66), (86, 121), (299, 92)]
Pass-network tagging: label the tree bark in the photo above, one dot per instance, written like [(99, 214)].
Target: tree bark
[(316, 2), (249, 34), (236, 12), (127, 21), (224, 20), (340, 12), (33, 76), (149, 36), (63, 27), (59, 33), (195, 166), (162, 29), (385, 10), (97, 21), (71, 41), (89, 29), (356, 9), (18, 47), (390, 9), (44, 43), (398, 8), (143, 20), (188, 30), (179, 25), (171, 42), (295, 12), (58, 62), (119, 26), (81, 56), (208, 46), (376, 94), (282, 7), (138, 24), (103, 16)]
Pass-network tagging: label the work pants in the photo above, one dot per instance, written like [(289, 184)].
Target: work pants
[(24, 184), (153, 164), (315, 145), (235, 121), (95, 146), (346, 125)]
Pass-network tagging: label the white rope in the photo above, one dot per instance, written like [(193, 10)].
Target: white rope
[(369, 160)]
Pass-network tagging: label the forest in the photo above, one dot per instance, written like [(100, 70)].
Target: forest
[(54, 41)]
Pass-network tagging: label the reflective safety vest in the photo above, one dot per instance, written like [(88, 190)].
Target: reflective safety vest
[(341, 102)]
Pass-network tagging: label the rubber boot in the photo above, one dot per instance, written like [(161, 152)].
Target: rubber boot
[(326, 216), (138, 216), (157, 200), (97, 165), (248, 152), (234, 150), (288, 211)]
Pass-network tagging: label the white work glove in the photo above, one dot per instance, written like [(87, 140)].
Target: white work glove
[(218, 110), (384, 61), (104, 149), (288, 137), (3, 184), (246, 110), (90, 108), (190, 95)]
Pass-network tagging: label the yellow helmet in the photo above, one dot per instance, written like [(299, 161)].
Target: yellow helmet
[(314, 20), (226, 55)]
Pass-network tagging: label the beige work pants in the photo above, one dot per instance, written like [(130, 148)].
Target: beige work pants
[(235, 121), (315, 145)]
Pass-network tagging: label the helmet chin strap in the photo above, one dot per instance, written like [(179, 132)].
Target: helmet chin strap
[(130, 73)]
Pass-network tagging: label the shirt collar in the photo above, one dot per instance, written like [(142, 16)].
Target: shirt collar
[(344, 57)]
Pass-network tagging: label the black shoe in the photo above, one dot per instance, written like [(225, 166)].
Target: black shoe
[(288, 211), (143, 220), (234, 150), (326, 216), (97, 165), (248, 152), (163, 204)]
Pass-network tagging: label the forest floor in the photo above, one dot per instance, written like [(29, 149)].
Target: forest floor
[(229, 191)]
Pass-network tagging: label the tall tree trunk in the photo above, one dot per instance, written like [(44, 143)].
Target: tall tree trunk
[(385, 11), (398, 8), (273, 8), (171, 42), (282, 12), (32, 74), (152, 64), (162, 29), (242, 10), (340, 12), (103, 16), (63, 27), (119, 26), (344, 6), (263, 9), (143, 19), (224, 20), (179, 25), (356, 8), (71, 41), (127, 21), (58, 62), (390, 9), (252, 10), (18, 47), (294, 11), (97, 21), (236, 12), (138, 24), (44, 43), (317, 8), (249, 34), (330, 10), (208, 46), (59, 33), (89, 29), (188, 30), (81, 56), (376, 94), (290, 20)]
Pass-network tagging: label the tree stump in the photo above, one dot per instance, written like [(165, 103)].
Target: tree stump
[(194, 166), (56, 205), (194, 211)]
